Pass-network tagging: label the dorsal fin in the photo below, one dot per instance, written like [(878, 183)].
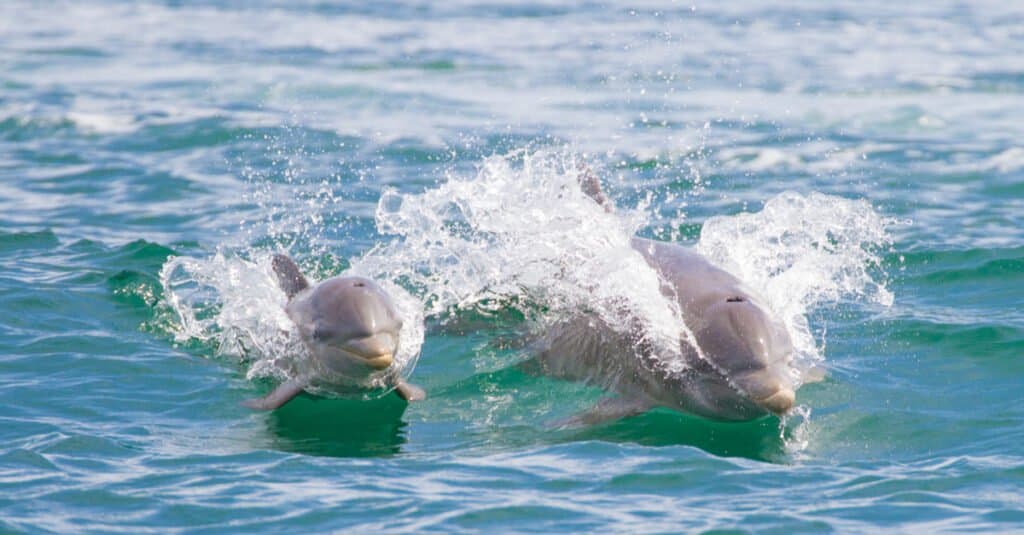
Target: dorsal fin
[(289, 277), (591, 185)]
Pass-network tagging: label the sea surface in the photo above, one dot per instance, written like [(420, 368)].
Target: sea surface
[(860, 164)]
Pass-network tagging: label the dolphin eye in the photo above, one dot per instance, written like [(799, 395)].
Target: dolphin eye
[(359, 284), (735, 299), (321, 334)]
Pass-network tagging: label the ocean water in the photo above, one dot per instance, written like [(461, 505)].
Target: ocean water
[(860, 164)]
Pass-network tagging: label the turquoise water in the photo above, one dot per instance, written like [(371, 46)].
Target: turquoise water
[(416, 141)]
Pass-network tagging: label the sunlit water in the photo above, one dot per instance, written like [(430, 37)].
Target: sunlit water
[(859, 165)]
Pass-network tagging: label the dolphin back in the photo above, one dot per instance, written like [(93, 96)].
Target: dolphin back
[(289, 277)]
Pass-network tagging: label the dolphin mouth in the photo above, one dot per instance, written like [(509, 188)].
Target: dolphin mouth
[(376, 351), (766, 390), (377, 361), (780, 402)]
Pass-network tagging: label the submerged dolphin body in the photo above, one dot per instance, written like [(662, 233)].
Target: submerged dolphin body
[(740, 371), (350, 327)]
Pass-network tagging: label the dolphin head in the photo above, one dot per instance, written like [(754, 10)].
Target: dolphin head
[(353, 326), (751, 348)]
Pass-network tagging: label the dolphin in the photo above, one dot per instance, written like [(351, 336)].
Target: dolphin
[(738, 368), (351, 329)]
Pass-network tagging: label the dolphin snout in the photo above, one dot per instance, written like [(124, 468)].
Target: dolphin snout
[(780, 402), (379, 362), (767, 390), (376, 351)]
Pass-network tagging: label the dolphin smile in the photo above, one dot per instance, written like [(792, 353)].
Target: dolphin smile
[(376, 351), (766, 389), (377, 361)]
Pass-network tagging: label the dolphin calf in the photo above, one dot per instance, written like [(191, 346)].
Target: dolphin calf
[(349, 326), (735, 367)]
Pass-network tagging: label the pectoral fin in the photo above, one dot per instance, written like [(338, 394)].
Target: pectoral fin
[(281, 395), (606, 410), (409, 392)]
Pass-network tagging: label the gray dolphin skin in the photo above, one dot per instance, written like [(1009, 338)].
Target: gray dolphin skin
[(350, 327), (741, 371)]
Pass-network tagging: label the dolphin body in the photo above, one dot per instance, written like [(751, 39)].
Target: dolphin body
[(350, 327), (740, 371)]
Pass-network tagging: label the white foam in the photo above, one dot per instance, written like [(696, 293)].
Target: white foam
[(1006, 161), (767, 159), (103, 123)]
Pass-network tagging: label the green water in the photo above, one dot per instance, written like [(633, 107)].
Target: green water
[(133, 133)]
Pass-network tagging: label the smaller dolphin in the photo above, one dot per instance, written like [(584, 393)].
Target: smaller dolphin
[(350, 327)]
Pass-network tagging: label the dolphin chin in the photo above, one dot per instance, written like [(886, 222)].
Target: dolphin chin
[(767, 390), (780, 402)]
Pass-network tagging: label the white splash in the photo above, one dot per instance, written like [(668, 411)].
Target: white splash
[(236, 305), (521, 233), (795, 433)]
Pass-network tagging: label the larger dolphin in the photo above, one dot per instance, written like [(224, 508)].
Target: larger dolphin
[(738, 370)]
